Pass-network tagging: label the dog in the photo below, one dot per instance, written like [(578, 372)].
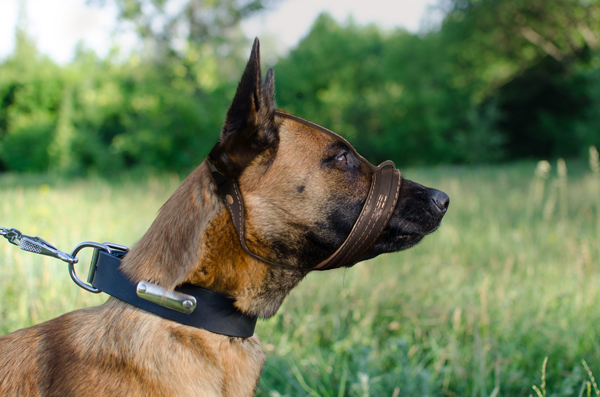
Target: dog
[(305, 201)]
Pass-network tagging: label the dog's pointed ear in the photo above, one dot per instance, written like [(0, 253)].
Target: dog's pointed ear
[(250, 129)]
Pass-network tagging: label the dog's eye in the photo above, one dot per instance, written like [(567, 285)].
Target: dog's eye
[(342, 158)]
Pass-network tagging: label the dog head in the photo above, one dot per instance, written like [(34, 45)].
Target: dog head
[(303, 188)]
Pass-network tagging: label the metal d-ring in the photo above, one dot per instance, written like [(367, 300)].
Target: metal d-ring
[(76, 280)]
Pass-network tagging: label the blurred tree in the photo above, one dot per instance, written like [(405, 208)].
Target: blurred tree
[(106, 115), (526, 57), (502, 38), (390, 93), (333, 77), (171, 96), (499, 79), (174, 28), (168, 21), (30, 90)]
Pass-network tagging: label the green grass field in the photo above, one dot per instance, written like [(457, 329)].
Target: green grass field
[(503, 300)]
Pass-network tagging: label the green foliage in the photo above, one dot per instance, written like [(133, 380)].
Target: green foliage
[(166, 23), (499, 80), (30, 93), (531, 59), (102, 116), (392, 94)]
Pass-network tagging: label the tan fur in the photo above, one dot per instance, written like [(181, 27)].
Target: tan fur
[(297, 163), (117, 349), (303, 190)]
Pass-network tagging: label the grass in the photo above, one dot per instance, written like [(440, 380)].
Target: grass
[(502, 300)]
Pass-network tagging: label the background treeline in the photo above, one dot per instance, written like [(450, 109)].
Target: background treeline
[(496, 80)]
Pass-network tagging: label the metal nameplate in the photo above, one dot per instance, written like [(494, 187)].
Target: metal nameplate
[(170, 299)]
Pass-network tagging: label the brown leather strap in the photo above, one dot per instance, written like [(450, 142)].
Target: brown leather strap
[(230, 193), (373, 218)]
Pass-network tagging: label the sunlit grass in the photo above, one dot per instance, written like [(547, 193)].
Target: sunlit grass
[(501, 300)]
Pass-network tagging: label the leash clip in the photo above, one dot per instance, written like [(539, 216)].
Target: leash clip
[(37, 245)]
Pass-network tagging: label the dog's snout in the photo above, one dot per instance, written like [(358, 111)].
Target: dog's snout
[(440, 199)]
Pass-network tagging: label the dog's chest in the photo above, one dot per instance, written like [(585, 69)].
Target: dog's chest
[(218, 365)]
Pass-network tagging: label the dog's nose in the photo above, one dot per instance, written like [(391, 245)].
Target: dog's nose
[(440, 199)]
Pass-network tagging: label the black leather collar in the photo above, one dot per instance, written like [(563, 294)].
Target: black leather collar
[(214, 312)]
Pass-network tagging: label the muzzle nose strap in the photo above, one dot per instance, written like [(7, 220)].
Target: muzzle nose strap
[(374, 217)]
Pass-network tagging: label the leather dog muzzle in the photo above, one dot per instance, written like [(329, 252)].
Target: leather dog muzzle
[(381, 200), (374, 217)]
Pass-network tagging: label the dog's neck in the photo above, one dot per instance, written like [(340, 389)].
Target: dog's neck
[(193, 240)]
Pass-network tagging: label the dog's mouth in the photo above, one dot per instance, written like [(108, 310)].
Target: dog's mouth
[(406, 241), (418, 213)]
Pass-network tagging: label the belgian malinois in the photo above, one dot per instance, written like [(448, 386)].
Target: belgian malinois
[(277, 197)]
